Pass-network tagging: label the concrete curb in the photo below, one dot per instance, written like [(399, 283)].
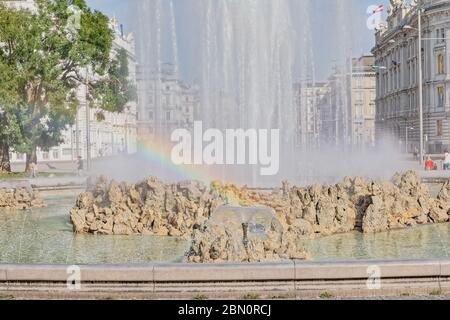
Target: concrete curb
[(292, 279), (284, 271)]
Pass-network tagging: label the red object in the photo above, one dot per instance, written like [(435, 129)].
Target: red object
[(429, 165)]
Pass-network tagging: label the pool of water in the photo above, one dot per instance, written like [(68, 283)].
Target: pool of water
[(44, 236), (422, 242)]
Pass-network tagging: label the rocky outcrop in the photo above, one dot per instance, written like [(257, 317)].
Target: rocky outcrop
[(149, 207), (184, 210), (243, 234), (232, 243), (353, 204), (19, 198)]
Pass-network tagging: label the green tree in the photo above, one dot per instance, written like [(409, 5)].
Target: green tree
[(45, 56)]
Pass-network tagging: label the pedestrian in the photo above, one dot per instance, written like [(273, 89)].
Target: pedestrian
[(447, 161), (429, 164), (33, 170), (416, 153), (79, 166)]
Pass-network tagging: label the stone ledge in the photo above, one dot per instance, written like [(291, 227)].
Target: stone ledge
[(360, 269), (203, 273), (224, 272)]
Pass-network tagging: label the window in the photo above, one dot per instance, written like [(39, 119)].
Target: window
[(441, 97), (45, 155), (150, 115), (443, 35), (168, 115), (67, 152), (439, 128), (55, 154), (441, 64)]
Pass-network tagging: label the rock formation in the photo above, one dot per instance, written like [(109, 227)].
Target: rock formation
[(149, 207), (235, 241), (353, 204), (19, 198), (183, 210)]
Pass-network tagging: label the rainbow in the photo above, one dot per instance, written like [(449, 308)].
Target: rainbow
[(158, 153)]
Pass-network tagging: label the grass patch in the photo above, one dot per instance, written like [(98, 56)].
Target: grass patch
[(6, 296), (251, 296), (436, 292), (405, 294), (281, 297), (200, 297), (326, 295), (13, 175)]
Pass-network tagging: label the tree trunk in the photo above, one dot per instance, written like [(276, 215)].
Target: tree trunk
[(5, 164), (31, 158)]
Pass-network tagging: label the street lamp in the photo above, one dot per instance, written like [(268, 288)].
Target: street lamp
[(88, 123), (419, 57)]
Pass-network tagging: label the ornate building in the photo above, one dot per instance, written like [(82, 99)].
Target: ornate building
[(165, 102), (308, 98), (396, 61), (347, 110)]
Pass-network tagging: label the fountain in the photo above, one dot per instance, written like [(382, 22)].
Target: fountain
[(255, 221), (244, 55)]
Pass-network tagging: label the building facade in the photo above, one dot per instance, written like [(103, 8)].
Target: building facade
[(109, 134), (396, 60), (165, 102), (308, 96), (347, 110)]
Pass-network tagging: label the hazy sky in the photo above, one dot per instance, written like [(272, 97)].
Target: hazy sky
[(323, 26)]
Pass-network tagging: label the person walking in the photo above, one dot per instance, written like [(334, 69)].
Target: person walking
[(447, 161), (416, 154), (33, 170), (429, 164), (79, 166)]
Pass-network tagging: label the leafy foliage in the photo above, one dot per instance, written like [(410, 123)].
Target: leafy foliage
[(42, 64)]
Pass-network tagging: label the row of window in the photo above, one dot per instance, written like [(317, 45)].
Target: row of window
[(46, 155), (394, 103)]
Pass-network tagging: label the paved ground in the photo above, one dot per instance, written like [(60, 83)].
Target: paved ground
[(134, 168), (40, 295)]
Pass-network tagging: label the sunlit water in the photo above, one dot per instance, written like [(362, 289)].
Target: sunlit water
[(424, 242), (44, 236)]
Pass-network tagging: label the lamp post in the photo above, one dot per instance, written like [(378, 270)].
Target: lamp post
[(419, 57), (88, 124)]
